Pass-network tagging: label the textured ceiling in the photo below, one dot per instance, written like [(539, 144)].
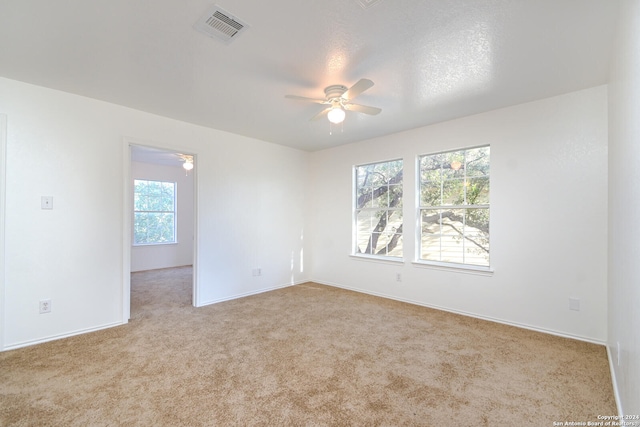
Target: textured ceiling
[(431, 60)]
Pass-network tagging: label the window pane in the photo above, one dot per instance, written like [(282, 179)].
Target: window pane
[(476, 249), (477, 221), (431, 221), (453, 192), (388, 244), (431, 163), (452, 249), (478, 162), (380, 197), (453, 165), (430, 246), (453, 222), (395, 196), (431, 193), (477, 190), (378, 205), (154, 188), (430, 175), (394, 224), (153, 227), (138, 202), (458, 235), (366, 221), (168, 196), (365, 197), (379, 232), (154, 212), (477, 237), (366, 225)]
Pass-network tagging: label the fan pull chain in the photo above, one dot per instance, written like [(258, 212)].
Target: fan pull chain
[(331, 128)]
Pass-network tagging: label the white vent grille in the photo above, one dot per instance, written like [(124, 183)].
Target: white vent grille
[(220, 24)]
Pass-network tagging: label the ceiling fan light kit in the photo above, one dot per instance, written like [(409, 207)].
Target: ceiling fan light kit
[(336, 115), (338, 98)]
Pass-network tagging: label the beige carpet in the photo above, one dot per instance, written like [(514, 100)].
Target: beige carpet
[(306, 355)]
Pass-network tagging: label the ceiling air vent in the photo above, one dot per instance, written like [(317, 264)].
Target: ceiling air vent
[(220, 24)]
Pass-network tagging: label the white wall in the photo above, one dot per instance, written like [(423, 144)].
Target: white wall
[(149, 257), (250, 211), (624, 210), (548, 216)]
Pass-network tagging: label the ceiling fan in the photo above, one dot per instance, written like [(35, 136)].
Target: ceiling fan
[(338, 98)]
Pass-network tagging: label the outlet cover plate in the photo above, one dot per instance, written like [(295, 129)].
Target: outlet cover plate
[(45, 306)]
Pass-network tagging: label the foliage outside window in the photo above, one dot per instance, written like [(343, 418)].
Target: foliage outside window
[(454, 207), (378, 209), (154, 212)]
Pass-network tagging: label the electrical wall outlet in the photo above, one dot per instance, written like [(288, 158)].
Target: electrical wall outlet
[(45, 306), (398, 277), (257, 272)]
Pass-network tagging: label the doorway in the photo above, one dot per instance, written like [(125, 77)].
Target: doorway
[(157, 174)]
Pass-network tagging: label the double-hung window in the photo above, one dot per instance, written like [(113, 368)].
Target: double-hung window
[(154, 212), (453, 207), (377, 212)]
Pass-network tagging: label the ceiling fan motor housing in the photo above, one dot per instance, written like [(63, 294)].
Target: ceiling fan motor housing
[(334, 91)]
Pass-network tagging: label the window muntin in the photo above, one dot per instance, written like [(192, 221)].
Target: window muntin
[(154, 212), (453, 207), (378, 209)]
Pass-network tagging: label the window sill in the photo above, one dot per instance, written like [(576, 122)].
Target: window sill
[(142, 245), (457, 268), (378, 259)]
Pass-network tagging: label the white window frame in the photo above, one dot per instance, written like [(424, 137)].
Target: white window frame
[(174, 212), (446, 265), (355, 210)]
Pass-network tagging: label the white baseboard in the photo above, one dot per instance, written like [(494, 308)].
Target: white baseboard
[(465, 313), (614, 382), (60, 336), (246, 294), (110, 325)]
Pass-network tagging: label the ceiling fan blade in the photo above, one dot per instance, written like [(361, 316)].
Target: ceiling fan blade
[(320, 115), (355, 90), (362, 109), (304, 98)]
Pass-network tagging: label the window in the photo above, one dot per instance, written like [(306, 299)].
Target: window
[(154, 212), (377, 214), (454, 207)]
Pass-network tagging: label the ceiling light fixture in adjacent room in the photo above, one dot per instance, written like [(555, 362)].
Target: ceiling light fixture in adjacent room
[(188, 162)]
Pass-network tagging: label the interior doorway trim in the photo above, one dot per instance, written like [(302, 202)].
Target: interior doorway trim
[(128, 143), (3, 204)]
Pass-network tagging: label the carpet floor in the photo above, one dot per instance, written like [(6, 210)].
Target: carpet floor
[(306, 355)]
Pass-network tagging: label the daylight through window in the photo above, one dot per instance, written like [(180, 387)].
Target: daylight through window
[(378, 209), (454, 207), (154, 212)]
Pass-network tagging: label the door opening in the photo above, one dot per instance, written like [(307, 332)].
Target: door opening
[(160, 215)]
